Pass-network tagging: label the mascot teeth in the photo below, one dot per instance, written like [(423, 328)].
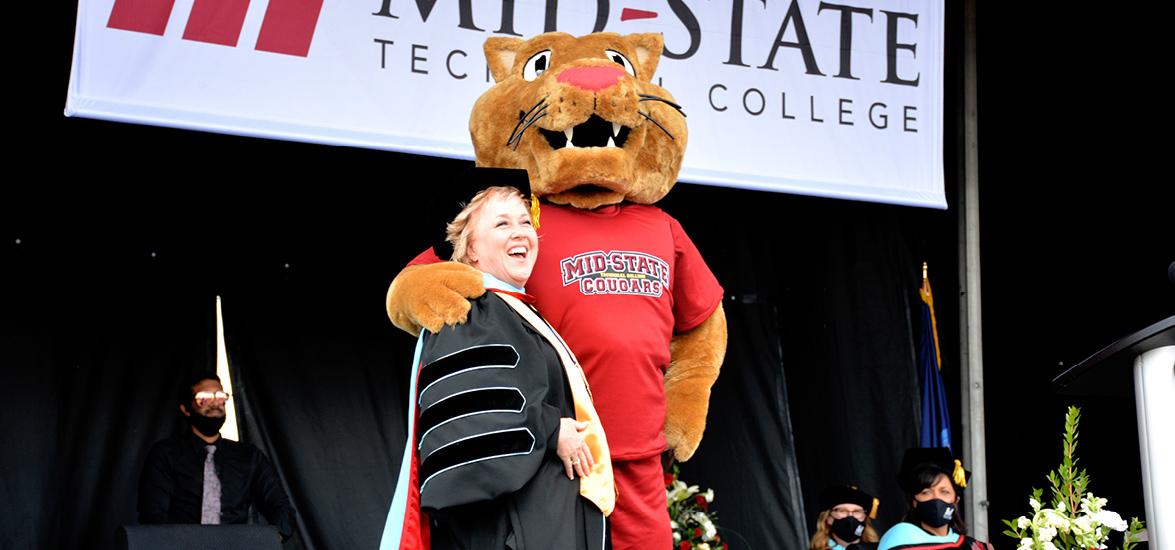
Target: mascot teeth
[(595, 132)]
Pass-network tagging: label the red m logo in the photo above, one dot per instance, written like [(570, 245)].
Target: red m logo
[(288, 26)]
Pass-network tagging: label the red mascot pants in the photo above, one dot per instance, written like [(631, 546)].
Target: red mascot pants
[(640, 520)]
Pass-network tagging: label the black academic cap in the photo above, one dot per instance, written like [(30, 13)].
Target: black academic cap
[(840, 494), (938, 459), (450, 197)]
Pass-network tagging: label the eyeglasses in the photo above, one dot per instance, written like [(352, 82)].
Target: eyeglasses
[(205, 397), (838, 513)]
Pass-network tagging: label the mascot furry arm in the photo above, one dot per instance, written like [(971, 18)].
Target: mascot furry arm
[(556, 76)]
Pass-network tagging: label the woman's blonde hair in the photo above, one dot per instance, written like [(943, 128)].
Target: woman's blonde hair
[(457, 231), (824, 532)]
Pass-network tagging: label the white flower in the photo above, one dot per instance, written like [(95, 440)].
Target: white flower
[(1034, 504), (1082, 525), (703, 521), (693, 489), (1084, 534), (1023, 523), (676, 536), (708, 530), (1048, 522), (1048, 545), (703, 546), (1096, 503), (1052, 518), (680, 491), (674, 525), (1110, 519), (708, 495), (1025, 544)]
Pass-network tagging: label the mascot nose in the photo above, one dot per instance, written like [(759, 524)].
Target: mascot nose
[(591, 78)]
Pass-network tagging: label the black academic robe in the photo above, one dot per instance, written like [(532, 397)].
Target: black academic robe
[(491, 393)]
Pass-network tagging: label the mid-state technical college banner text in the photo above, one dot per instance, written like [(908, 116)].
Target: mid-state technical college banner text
[(837, 100)]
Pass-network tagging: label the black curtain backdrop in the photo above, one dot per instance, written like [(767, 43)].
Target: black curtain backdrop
[(325, 376), (94, 339), (761, 506), (850, 354)]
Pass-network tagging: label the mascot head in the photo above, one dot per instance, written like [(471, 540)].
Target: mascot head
[(582, 116)]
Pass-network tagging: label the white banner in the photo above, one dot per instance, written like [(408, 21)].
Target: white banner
[(838, 100)]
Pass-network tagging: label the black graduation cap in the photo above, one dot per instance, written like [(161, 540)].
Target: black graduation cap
[(938, 459), (449, 198), (840, 494)]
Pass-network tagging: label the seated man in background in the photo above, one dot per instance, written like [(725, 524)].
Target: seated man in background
[(198, 477)]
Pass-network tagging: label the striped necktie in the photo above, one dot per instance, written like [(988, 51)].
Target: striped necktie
[(210, 508)]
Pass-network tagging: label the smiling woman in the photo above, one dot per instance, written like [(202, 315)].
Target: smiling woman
[(494, 233), (508, 450)]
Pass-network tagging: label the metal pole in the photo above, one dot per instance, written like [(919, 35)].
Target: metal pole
[(971, 375), (1154, 399)]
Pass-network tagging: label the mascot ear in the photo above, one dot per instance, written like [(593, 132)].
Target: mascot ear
[(648, 48), (500, 54)]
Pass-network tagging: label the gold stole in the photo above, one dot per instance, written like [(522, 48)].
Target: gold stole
[(598, 487)]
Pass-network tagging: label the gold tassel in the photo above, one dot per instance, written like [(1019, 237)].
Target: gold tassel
[(534, 211), (873, 512), (960, 476)]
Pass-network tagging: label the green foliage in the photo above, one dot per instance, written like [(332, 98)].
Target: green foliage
[(1077, 519), (1130, 540), (1068, 481)]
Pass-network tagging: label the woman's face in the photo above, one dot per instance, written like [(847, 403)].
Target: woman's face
[(941, 489), (502, 242), (844, 510)]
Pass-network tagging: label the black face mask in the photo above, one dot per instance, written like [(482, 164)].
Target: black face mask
[(207, 425), (934, 512), (848, 529)]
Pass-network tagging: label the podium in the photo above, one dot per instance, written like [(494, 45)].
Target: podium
[(1149, 355), (197, 537)]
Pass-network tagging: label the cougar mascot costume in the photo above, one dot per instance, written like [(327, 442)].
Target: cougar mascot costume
[(617, 277)]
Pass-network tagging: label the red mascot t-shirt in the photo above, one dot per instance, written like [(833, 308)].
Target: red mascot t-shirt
[(617, 282)]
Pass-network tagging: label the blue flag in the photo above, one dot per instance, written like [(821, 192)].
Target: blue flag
[(936, 418)]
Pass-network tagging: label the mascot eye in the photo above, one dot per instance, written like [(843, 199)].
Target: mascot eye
[(623, 61), (536, 65)]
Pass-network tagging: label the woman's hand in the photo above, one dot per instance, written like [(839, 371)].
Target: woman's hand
[(571, 449)]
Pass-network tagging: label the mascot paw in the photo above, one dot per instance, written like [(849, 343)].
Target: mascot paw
[(681, 444), (686, 421), (434, 295)]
